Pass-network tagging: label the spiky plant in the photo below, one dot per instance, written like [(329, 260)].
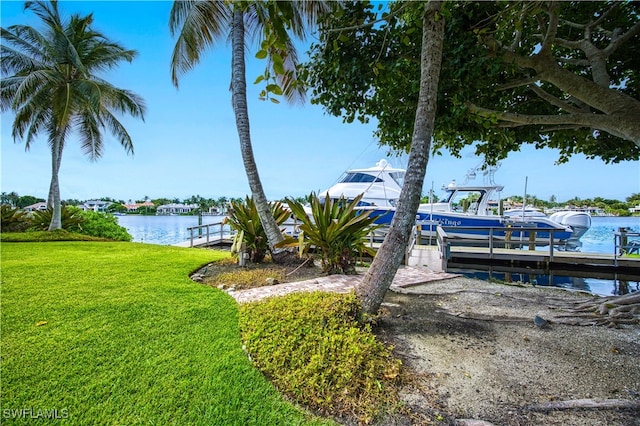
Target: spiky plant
[(71, 218), (336, 229), (13, 219), (244, 218)]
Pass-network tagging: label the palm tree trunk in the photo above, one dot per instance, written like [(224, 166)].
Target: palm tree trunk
[(377, 280), (53, 201), (239, 101)]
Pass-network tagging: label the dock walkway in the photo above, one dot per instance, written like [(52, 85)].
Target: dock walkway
[(207, 241)]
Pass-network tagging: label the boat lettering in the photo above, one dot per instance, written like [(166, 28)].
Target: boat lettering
[(448, 222)]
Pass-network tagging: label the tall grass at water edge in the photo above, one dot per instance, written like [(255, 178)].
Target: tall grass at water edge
[(117, 333)]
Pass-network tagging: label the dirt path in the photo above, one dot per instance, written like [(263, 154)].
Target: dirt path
[(475, 345)]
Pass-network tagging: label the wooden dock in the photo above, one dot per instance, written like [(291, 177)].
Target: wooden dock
[(542, 259), (210, 235), (460, 252), (212, 241)]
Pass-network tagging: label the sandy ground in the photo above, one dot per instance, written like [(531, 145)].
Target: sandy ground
[(473, 349), (473, 356)]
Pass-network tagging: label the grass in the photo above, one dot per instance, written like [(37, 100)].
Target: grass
[(42, 236), (116, 333)]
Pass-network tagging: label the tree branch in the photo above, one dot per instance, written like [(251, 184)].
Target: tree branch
[(543, 129), (581, 119), (570, 44), (552, 30), (517, 83), (553, 100), (603, 16), (617, 41), (369, 24), (575, 61)]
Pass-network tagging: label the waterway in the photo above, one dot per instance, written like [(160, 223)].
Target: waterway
[(598, 239), (166, 230)]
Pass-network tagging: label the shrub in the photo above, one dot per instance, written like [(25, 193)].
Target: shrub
[(336, 229), (102, 225), (95, 224), (243, 217), (70, 217), (13, 219), (311, 346), (248, 277)]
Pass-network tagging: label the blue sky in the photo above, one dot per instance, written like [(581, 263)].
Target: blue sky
[(188, 144)]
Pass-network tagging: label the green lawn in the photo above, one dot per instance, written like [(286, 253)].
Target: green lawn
[(117, 333)]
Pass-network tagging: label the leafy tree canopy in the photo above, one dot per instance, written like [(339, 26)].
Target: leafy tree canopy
[(561, 75)]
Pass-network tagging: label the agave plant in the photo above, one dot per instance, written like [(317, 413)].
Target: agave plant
[(13, 219), (71, 219), (336, 229), (243, 217)]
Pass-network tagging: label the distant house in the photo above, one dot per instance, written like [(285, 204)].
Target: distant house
[(175, 208), (36, 207), (95, 205), (136, 206), (635, 209), (218, 211), (593, 211)]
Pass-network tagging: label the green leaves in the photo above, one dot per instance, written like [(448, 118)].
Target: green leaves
[(370, 69), (71, 219), (244, 218), (50, 80), (315, 349), (12, 219), (336, 228)]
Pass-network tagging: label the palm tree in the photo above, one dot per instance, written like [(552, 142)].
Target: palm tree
[(50, 81), (377, 280), (200, 23)]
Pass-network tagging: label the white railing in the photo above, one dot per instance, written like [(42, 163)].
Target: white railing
[(211, 231), (625, 242)]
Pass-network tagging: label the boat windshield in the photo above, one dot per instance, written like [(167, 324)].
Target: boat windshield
[(464, 201), (359, 178), (398, 177), (342, 200)]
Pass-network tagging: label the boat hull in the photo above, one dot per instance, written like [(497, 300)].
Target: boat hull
[(482, 226)]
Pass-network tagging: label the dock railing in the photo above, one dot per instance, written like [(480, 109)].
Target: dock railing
[(625, 241), (211, 231), (498, 236)]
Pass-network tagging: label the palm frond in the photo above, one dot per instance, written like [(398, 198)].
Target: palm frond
[(119, 131), (89, 127), (199, 23)]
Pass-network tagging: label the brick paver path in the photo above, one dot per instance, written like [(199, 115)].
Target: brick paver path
[(405, 277)]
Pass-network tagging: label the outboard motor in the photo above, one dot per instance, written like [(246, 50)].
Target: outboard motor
[(580, 222)]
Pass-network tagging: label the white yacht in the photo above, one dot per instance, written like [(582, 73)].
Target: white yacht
[(464, 206)]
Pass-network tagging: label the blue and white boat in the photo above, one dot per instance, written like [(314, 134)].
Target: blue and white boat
[(464, 206)]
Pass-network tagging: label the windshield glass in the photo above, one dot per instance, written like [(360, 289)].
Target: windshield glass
[(359, 178), (463, 201), (398, 177)]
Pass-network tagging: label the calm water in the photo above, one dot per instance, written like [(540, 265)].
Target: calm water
[(167, 230), (164, 230), (598, 239)]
